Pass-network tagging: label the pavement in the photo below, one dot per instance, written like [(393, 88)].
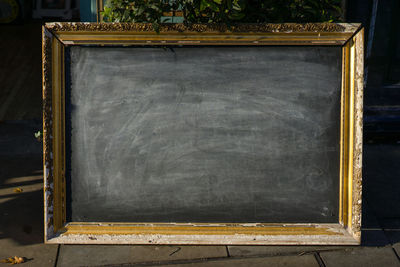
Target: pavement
[(21, 220)]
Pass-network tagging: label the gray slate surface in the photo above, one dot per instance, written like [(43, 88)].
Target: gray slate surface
[(170, 136)]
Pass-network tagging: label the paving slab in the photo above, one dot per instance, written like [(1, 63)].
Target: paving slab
[(37, 255), (396, 247), (21, 200), (78, 255), (243, 251), (21, 195), (365, 256), (21, 213), (287, 261)]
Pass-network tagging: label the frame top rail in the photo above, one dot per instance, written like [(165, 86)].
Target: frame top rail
[(70, 33)]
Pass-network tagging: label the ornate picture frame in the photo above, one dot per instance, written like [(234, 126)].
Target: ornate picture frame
[(58, 36)]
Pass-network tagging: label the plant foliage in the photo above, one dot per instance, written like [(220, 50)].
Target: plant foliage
[(224, 11)]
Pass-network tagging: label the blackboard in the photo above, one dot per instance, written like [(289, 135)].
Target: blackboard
[(203, 134)]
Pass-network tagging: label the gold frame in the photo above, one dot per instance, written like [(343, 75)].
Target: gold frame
[(57, 36)]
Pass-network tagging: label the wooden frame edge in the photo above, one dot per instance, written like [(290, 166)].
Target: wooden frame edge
[(344, 129), (357, 51), (351, 135), (203, 34), (206, 234), (321, 27), (48, 181), (53, 134), (58, 112)]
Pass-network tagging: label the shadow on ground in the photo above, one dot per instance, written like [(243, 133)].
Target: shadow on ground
[(21, 213)]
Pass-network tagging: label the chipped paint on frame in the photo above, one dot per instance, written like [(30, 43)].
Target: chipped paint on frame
[(47, 133), (358, 133)]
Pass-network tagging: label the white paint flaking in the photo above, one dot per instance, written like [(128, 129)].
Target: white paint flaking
[(344, 239)]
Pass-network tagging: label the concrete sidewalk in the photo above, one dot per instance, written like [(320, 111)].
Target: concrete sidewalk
[(21, 220)]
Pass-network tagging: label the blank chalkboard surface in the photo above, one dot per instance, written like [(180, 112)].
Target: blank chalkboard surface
[(203, 134)]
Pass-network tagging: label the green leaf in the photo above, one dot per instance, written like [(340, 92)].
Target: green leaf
[(213, 6), (237, 16), (203, 5)]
